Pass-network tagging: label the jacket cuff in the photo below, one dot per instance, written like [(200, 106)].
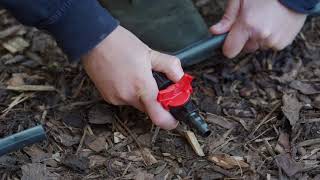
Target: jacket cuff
[(79, 25), (301, 6)]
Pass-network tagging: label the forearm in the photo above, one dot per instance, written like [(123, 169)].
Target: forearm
[(77, 25), (301, 6)]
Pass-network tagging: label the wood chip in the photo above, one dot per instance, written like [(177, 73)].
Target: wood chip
[(149, 158), (31, 88), (9, 31), (228, 162), (34, 171), (15, 45), (17, 79), (194, 143), (96, 161), (97, 144), (117, 137), (219, 120)]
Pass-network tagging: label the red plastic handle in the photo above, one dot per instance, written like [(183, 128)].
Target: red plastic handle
[(177, 94)]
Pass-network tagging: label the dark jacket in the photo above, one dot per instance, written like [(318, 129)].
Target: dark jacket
[(79, 25)]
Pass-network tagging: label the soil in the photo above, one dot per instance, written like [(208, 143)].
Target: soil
[(262, 108)]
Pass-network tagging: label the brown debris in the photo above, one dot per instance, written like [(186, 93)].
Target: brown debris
[(228, 162), (243, 95)]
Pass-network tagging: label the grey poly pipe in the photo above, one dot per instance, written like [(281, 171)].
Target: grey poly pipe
[(22, 139)]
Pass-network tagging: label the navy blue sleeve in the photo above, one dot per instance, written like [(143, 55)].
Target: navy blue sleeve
[(77, 25), (301, 6)]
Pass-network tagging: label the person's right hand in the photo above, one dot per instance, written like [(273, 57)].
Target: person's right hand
[(121, 68)]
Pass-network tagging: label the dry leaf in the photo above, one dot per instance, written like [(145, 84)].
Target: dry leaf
[(304, 88), (68, 140), (228, 162), (288, 165), (100, 114), (291, 108)]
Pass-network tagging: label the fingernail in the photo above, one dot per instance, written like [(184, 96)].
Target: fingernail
[(173, 125), (217, 27)]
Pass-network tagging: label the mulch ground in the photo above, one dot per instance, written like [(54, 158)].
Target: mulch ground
[(262, 108)]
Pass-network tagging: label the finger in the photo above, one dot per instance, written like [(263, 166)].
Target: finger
[(114, 100), (251, 46), (228, 18), (167, 64), (158, 115), (138, 104), (236, 40)]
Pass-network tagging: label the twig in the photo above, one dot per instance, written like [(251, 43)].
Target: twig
[(269, 148), (309, 142), (31, 88), (155, 135), (134, 138), (19, 99), (259, 135), (265, 119), (126, 170), (82, 140)]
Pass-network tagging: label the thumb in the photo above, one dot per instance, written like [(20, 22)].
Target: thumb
[(228, 18), (167, 64)]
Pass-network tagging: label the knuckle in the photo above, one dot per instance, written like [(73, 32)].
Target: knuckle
[(227, 17), (124, 96), (111, 100), (264, 34), (249, 22), (272, 42), (175, 62)]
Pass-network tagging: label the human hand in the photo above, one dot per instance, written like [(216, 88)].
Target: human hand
[(121, 68), (257, 24)]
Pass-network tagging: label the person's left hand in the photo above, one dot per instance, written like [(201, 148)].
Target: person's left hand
[(257, 24)]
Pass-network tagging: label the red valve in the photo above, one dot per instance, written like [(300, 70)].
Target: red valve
[(177, 94)]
